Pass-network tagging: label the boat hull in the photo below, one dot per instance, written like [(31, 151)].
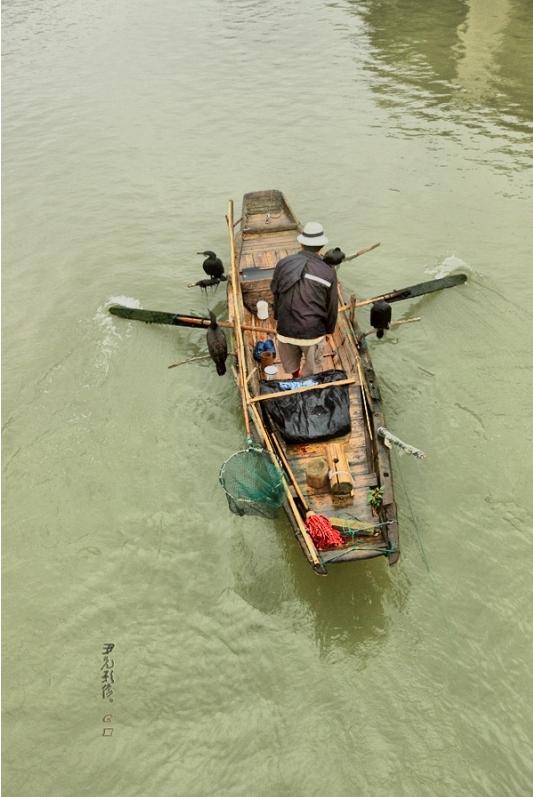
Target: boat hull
[(265, 233)]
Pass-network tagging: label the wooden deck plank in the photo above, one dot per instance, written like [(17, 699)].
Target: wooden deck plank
[(305, 450), (269, 242)]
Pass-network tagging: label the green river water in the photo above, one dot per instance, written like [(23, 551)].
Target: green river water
[(127, 126)]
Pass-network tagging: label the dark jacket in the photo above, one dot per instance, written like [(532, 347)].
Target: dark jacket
[(305, 296)]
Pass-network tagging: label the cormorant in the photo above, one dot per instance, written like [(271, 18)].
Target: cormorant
[(334, 257), (212, 265), (380, 317), (217, 344)]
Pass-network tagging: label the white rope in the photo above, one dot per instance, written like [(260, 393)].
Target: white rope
[(390, 439)]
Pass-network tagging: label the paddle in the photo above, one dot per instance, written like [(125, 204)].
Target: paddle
[(419, 289), (160, 317), (179, 320), (175, 319)]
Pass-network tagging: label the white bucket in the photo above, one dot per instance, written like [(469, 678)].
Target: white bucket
[(262, 310), (270, 371)]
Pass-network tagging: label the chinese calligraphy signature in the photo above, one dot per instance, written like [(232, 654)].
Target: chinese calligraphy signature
[(107, 671)]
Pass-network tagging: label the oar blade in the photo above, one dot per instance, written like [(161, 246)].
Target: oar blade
[(158, 317), (421, 288)]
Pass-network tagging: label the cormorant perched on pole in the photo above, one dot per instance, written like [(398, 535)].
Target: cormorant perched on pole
[(212, 265), (217, 344), (380, 317), (334, 257)]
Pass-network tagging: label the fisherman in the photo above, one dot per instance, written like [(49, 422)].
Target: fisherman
[(304, 288)]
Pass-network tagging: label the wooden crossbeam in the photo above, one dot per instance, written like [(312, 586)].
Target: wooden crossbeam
[(293, 391)]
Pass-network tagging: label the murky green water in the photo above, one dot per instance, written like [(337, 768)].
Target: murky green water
[(127, 127)]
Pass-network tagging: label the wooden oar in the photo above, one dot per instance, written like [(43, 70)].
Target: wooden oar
[(177, 319), (412, 291), (159, 316)]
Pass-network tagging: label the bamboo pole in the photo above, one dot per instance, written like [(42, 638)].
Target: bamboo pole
[(252, 373), (361, 252), (361, 303), (194, 359), (352, 311), (310, 545), (364, 302), (394, 324), (363, 395), (251, 328), (293, 391), (203, 323), (290, 471), (243, 387), (367, 404), (246, 401), (190, 360)]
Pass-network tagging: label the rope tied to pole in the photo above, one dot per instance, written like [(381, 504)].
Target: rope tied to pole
[(391, 439)]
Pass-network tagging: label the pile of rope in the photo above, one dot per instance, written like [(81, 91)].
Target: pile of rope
[(323, 534)]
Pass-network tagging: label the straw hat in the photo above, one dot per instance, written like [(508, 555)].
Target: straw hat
[(312, 235)]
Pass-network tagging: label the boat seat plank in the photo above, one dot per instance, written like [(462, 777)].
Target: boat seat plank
[(322, 504), (251, 247), (269, 240), (362, 482), (304, 451), (264, 259), (266, 221), (365, 480), (357, 455)]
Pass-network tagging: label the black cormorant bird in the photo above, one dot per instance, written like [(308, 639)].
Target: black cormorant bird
[(212, 265), (380, 317), (334, 257), (217, 344)]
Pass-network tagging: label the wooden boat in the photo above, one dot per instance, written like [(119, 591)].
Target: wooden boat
[(336, 486), (358, 462)]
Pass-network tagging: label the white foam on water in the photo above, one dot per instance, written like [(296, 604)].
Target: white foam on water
[(448, 265), (112, 332)]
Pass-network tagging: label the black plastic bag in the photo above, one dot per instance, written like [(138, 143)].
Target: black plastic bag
[(311, 416)]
